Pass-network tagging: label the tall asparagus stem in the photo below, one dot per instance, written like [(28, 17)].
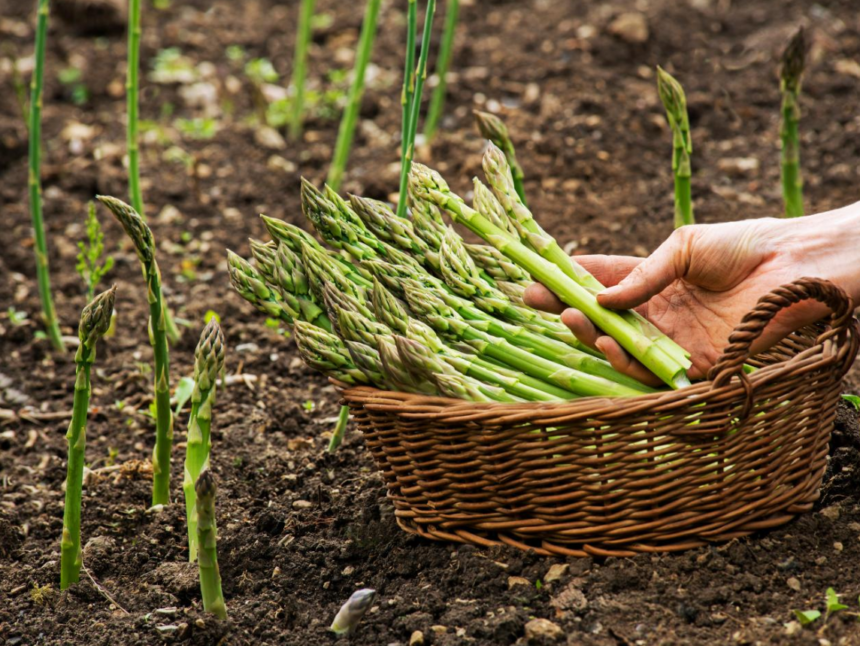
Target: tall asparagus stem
[(300, 66), (408, 78), (494, 129), (210, 576), (95, 320), (427, 184), (40, 247), (144, 244), (533, 236), (208, 364), (350, 113), (675, 101), (415, 107), (443, 62), (791, 76)]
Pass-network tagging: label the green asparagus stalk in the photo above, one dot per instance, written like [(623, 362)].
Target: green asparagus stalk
[(264, 258), (429, 185), (303, 40), (144, 244), (443, 63), (339, 429), (251, 286), (494, 129), (366, 359), (321, 269), (791, 76), (388, 309), (356, 91), (208, 364), (489, 206), (494, 264), (337, 300), (423, 363), (210, 576), (433, 311), (408, 78), (385, 225), (427, 223), (415, 107), (326, 352), (535, 238), (95, 320), (43, 274), (397, 375), (675, 101)]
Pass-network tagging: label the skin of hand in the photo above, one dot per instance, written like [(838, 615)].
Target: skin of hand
[(698, 284)]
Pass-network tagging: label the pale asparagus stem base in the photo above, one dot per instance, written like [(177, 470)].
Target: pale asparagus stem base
[(210, 576), (40, 248), (568, 290)]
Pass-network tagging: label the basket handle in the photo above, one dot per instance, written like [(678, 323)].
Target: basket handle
[(753, 324)]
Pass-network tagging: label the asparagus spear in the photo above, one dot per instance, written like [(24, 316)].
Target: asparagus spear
[(397, 375), (339, 429), (348, 617), (356, 91), (674, 100), (367, 360), (322, 269), (95, 321), (40, 246), (208, 364), (325, 352), (791, 76), (495, 265), (494, 129), (536, 239), (144, 244), (210, 576), (428, 184), (445, 321), (303, 40), (251, 286), (443, 62), (389, 309), (385, 225)]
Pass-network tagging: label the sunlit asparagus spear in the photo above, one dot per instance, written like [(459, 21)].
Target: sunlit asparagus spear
[(536, 239), (144, 245), (494, 129), (675, 101), (208, 364), (389, 309), (429, 185), (366, 359), (325, 352), (251, 285), (95, 321), (790, 78), (446, 322), (351, 613), (397, 375), (322, 269), (210, 576), (339, 429)]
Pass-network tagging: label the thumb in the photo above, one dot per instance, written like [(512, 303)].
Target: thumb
[(654, 274)]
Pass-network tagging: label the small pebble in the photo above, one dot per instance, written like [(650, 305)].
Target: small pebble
[(555, 572), (793, 583), (417, 639), (543, 630), (302, 504), (837, 546), (517, 580)]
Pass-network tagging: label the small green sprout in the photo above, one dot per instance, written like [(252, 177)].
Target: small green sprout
[(235, 53), (197, 128), (854, 400), (90, 265), (171, 66), (308, 405), (71, 78), (261, 70), (16, 317), (806, 617), (832, 602)]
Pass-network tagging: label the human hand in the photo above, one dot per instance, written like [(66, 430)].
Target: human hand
[(698, 284)]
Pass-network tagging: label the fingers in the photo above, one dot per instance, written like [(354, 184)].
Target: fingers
[(540, 298), (609, 270), (654, 274)]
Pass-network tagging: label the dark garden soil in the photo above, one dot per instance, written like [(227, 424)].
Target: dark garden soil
[(301, 530)]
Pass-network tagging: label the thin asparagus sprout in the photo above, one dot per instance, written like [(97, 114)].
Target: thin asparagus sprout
[(339, 429), (791, 76), (408, 78), (144, 244), (429, 185), (415, 107), (303, 39), (40, 247), (533, 236), (443, 63), (350, 113), (350, 614), (675, 101), (95, 320), (495, 130), (208, 364), (210, 576)]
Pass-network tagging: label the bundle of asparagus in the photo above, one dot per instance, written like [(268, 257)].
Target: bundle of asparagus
[(406, 304)]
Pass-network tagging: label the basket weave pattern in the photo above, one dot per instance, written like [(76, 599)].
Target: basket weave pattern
[(615, 477)]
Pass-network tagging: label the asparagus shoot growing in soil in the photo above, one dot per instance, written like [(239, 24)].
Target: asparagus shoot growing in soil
[(408, 77), (210, 576), (418, 78), (351, 613), (443, 63), (40, 246), (144, 244), (356, 91), (95, 320), (495, 130), (339, 429), (300, 66), (208, 364), (791, 76), (675, 101)]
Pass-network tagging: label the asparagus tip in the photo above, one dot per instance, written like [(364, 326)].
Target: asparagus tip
[(794, 61), (95, 317)]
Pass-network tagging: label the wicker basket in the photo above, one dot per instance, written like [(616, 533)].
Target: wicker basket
[(615, 477)]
